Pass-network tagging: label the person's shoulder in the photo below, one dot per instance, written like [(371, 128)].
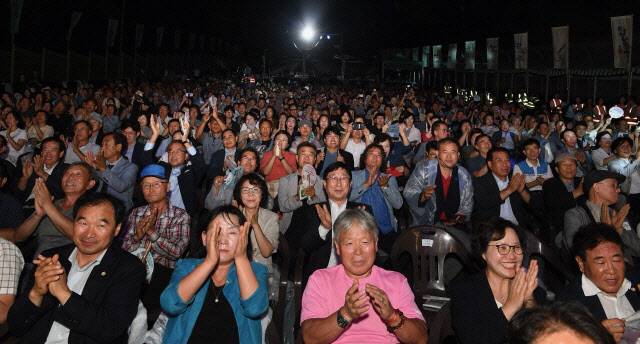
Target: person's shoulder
[(63, 251), (8, 249), (268, 214), (326, 274), (394, 277), (178, 212), (258, 267), (469, 283)]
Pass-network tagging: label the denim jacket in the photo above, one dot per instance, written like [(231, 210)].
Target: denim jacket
[(425, 174), (183, 315)]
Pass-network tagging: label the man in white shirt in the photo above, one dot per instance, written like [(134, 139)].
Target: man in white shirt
[(605, 288), (536, 172)]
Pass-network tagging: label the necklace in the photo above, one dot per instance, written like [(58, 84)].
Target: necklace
[(217, 293)]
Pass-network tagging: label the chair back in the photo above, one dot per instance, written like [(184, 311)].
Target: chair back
[(428, 247), (534, 247)]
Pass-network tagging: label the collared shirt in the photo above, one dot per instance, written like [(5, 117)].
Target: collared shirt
[(174, 191), (169, 238), (129, 152), (76, 279), (532, 177), (505, 208), (336, 210), (598, 156), (508, 141), (617, 306), (12, 263)]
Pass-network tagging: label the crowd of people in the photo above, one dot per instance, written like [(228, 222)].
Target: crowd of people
[(128, 210)]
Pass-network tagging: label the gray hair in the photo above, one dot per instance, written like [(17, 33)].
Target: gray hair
[(350, 217)]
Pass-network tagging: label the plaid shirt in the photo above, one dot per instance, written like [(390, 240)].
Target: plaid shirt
[(170, 238), (11, 264)]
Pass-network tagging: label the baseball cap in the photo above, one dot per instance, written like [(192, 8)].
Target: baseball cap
[(563, 156), (94, 116), (304, 122), (154, 170), (598, 176)]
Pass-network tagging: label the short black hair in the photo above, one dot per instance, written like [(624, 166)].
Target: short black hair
[(530, 141), (331, 129), (252, 150), (363, 156), (530, 324), (591, 235), (448, 141), (565, 131), (230, 130), (431, 145), (491, 230), (308, 145), (134, 125), (93, 175), (83, 121), (495, 150), (118, 139), (582, 123), (475, 142), (91, 199), (619, 141), (436, 124), (53, 139), (254, 180), (382, 138), (336, 166)]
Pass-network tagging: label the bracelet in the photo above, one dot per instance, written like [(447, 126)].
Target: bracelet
[(395, 316), (399, 326)]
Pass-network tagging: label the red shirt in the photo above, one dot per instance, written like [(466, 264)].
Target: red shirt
[(445, 188), (277, 170)]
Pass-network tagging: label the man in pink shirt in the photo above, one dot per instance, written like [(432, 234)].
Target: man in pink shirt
[(355, 301)]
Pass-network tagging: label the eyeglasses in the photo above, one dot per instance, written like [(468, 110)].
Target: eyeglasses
[(250, 191), (156, 185), (336, 179), (504, 249)]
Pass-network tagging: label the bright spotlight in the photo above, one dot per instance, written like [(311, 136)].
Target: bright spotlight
[(307, 33), (328, 36)]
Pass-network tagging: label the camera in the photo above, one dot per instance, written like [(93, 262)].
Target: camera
[(189, 95), (358, 125), (138, 97)]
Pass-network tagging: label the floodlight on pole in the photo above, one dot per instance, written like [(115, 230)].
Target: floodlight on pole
[(307, 33)]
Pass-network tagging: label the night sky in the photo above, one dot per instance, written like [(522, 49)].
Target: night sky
[(259, 25)]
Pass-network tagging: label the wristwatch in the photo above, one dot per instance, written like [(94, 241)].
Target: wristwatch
[(342, 322)]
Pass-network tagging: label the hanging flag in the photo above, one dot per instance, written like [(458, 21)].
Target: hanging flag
[(202, 41), (176, 39), (492, 52), (112, 30), (414, 54), (75, 18), (621, 30), (560, 35), (521, 47), (437, 49), (192, 40), (451, 55), (425, 56), (16, 13), (159, 34), (139, 34), (470, 55)]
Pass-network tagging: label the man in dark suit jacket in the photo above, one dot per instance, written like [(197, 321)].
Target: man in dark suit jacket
[(187, 174), (331, 137), (311, 225), (48, 166), (609, 292), (86, 292), (562, 193), (135, 149), (495, 195), (218, 158)]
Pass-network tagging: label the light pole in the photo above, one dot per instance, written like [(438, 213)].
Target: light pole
[(308, 40)]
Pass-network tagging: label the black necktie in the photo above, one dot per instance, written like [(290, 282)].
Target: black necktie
[(105, 186)]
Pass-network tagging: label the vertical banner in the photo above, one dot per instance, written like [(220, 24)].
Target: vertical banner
[(159, 34), (176, 39), (16, 13), (437, 50), (414, 54), (560, 35), (112, 29), (192, 40), (139, 34), (470, 55), (202, 41), (75, 18), (451, 55), (425, 56), (492, 52), (621, 29), (521, 47)]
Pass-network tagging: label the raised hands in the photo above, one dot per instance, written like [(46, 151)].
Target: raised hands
[(517, 183), (355, 303), (324, 215), (380, 301), (371, 179), (521, 289), (383, 180), (243, 240), (42, 195), (426, 194), (616, 218)]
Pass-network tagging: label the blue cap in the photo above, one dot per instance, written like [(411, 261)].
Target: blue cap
[(154, 170)]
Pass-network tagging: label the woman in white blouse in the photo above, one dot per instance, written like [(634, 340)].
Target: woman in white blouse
[(603, 155)]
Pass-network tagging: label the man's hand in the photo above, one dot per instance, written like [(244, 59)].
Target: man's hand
[(310, 191), (41, 193), (355, 304), (38, 165), (371, 179), (324, 215), (151, 225), (217, 182), (27, 169), (426, 194), (100, 162), (380, 302), (514, 183), (383, 180), (616, 219), (581, 157), (45, 273), (58, 287), (615, 327), (340, 158)]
